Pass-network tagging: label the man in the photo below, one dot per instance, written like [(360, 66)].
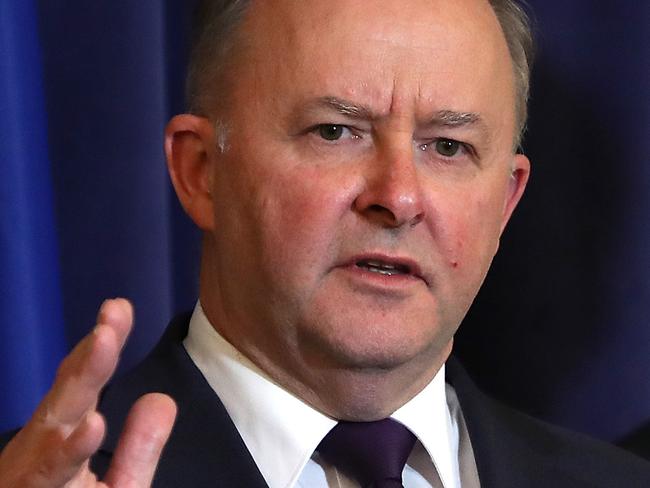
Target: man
[(352, 165)]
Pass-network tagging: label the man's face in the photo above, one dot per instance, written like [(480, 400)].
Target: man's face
[(366, 179)]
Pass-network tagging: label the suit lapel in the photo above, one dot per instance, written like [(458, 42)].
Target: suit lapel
[(205, 449), (511, 449)]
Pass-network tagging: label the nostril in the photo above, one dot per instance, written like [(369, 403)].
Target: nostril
[(379, 213), (417, 219), (376, 208)]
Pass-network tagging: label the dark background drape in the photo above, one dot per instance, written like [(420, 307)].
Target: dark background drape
[(561, 327)]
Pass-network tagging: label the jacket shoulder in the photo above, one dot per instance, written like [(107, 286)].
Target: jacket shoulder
[(513, 449)]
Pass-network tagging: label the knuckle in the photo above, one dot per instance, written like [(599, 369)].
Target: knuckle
[(66, 368)]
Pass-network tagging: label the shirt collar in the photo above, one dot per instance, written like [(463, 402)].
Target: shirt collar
[(427, 416), (280, 430)]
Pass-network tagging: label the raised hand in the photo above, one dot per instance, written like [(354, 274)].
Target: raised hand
[(54, 448)]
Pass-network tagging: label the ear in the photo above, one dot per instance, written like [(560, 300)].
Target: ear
[(520, 171), (190, 150)]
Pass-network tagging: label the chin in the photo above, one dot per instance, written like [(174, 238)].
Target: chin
[(373, 343), (362, 368), (376, 355)]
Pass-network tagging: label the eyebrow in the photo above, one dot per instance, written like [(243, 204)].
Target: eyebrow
[(442, 118), (450, 118), (344, 107)]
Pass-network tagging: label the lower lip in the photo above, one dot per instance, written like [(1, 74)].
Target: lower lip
[(398, 280)]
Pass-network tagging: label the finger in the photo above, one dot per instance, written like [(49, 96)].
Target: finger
[(65, 431), (145, 433), (118, 313), (50, 459), (85, 440), (87, 369), (71, 460)]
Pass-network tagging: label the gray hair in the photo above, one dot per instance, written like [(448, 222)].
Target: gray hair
[(517, 30), (214, 37), (216, 23)]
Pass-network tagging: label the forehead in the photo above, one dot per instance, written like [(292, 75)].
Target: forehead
[(392, 56)]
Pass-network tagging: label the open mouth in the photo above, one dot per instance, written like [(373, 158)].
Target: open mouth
[(382, 267)]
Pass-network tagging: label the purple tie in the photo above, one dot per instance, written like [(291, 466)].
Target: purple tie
[(373, 453)]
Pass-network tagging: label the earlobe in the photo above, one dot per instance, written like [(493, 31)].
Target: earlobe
[(520, 171), (189, 147)]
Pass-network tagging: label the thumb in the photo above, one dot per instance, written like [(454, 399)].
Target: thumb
[(145, 433)]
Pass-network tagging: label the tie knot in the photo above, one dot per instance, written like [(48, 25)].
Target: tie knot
[(373, 453)]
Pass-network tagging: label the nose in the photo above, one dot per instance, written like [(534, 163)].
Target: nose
[(392, 195)]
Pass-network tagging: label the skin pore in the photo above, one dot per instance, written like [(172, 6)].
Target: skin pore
[(366, 179)]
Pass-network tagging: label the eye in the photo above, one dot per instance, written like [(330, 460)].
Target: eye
[(330, 132), (447, 147)]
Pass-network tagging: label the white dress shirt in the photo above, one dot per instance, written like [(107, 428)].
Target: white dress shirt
[(282, 432)]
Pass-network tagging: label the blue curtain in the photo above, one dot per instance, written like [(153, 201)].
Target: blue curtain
[(31, 313), (113, 71), (87, 209), (560, 328)]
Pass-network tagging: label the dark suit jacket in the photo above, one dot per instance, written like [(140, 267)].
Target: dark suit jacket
[(638, 441), (205, 450)]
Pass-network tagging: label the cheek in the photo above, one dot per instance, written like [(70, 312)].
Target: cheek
[(301, 219), (469, 234)]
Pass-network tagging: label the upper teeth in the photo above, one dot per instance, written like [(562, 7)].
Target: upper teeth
[(378, 264), (382, 268), (389, 272)]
